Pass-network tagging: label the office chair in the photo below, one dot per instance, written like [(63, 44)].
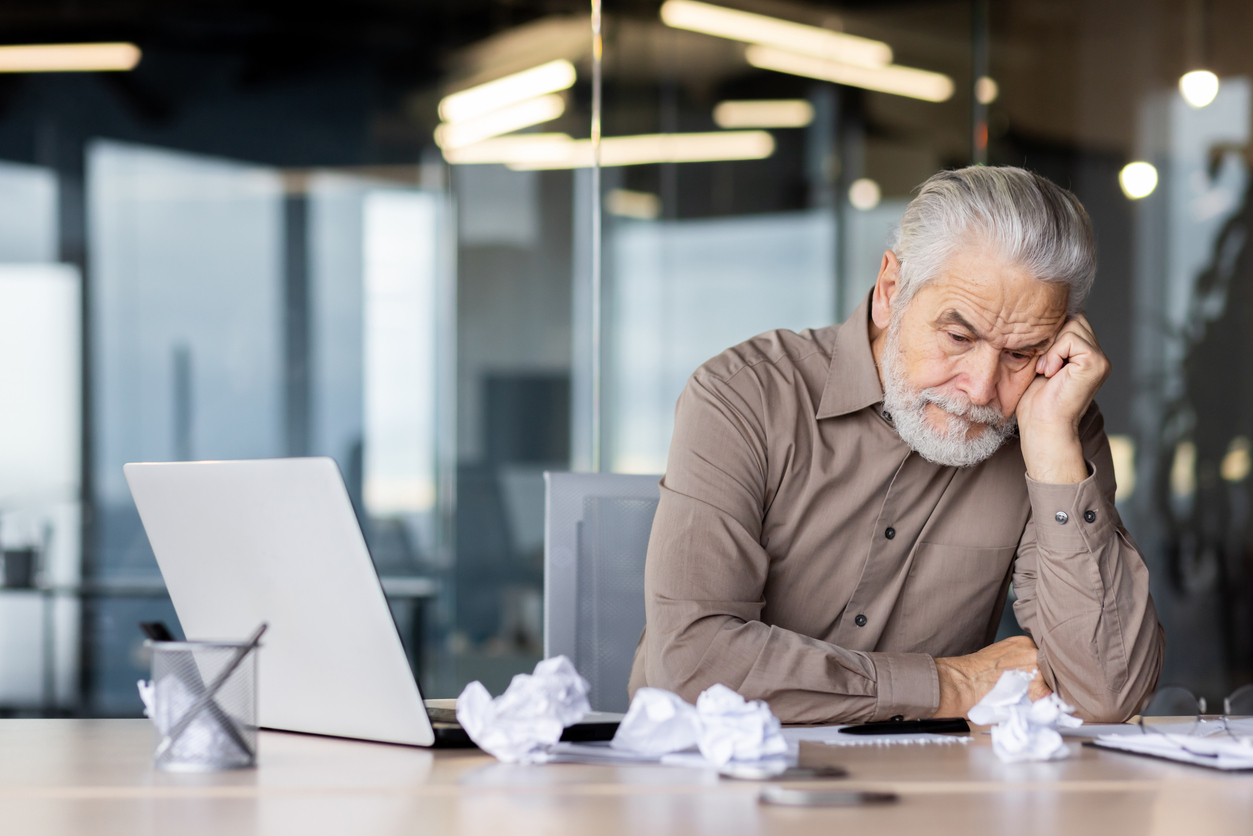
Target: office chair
[(596, 528)]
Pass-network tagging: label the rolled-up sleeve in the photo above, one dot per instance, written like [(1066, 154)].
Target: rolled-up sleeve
[(1083, 591), (706, 576)]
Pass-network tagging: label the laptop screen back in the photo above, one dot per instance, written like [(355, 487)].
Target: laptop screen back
[(276, 540)]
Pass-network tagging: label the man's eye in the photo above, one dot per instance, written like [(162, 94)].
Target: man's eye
[(1018, 355), (958, 338)]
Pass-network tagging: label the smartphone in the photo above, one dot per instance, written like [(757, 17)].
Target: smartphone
[(785, 797)]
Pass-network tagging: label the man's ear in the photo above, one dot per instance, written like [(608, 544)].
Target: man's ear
[(885, 289)]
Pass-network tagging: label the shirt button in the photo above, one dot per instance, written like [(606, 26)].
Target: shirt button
[(887, 416), (891, 532), (1062, 517), (860, 620), (1089, 516)]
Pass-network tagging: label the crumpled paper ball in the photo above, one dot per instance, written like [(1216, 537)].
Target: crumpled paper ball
[(521, 724), (733, 728), (1023, 730), (657, 723)]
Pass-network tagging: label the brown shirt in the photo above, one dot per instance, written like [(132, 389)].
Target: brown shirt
[(804, 555)]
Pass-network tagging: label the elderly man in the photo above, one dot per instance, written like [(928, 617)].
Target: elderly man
[(844, 509)]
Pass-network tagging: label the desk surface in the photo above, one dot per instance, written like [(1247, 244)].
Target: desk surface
[(93, 776)]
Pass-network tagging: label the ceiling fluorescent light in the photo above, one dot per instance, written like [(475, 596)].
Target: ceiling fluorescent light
[(643, 206), (559, 151), (684, 148), (764, 113), (751, 28), (506, 120), (519, 150), (512, 89), (901, 81), (69, 58)]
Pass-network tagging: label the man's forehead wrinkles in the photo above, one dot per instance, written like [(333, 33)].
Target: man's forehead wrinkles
[(954, 316), (1006, 310), (1004, 331)]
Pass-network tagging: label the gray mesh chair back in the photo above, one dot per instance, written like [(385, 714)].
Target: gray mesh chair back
[(596, 528)]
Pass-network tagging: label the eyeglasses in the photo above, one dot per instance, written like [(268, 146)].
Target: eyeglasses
[(1236, 721)]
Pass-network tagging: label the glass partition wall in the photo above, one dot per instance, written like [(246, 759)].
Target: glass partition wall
[(770, 200), (394, 237)]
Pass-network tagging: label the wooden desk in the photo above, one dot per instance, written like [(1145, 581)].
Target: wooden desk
[(93, 777)]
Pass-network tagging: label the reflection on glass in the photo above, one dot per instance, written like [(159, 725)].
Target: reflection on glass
[(1122, 449), (1235, 465), (753, 28), (900, 81), (682, 291), (28, 214), (764, 113), (40, 432), (1197, 282), (866, 234), (401, 233), (864, 194), (187, 260), (188, 325)]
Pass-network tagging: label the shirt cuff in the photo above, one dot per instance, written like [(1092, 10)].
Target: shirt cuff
[(1070, 518), (908, 685)]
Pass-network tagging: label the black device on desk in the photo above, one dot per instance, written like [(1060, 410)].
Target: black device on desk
[(596, 727), (933, 725)]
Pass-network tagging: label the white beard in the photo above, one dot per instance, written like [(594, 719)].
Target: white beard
[(908, 407)]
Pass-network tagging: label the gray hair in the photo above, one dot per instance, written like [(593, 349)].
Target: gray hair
[(1029, 220)]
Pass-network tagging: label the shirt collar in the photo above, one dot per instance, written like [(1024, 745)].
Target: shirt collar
[(853, 380)]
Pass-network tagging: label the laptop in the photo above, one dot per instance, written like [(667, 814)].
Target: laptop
[(277, 540)]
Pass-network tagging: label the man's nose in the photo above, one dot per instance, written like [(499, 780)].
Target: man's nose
[(981, 376)]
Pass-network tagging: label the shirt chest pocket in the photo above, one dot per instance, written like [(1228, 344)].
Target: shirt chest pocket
[(952, 594)]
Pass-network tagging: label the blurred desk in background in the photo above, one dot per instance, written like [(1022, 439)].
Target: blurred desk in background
[(60, 777), (417, 591)]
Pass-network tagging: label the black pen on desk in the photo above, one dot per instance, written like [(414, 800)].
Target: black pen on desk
[(933, 725)]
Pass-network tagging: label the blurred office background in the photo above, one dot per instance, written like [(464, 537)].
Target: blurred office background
[(270, 229)]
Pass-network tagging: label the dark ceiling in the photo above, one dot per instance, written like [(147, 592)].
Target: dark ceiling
[(336, 82), (405, 40)]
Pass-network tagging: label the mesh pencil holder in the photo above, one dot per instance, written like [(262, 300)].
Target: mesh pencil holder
[(202, 701)]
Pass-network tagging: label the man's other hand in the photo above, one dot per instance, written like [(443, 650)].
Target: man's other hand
[(964, 680)]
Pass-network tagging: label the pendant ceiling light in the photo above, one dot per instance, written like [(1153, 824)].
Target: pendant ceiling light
[(1199, 85)]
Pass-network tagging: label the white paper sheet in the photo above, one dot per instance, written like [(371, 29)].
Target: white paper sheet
[(1217, 752), (1241, 727), (831, 735)]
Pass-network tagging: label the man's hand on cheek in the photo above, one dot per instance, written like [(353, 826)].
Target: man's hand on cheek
[(1068, 375), (964, 680)]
